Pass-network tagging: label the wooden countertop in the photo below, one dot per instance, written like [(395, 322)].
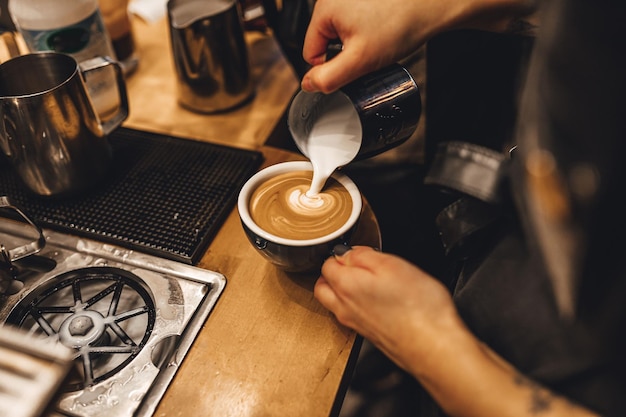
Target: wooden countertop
[(153, 101), (268, 348)]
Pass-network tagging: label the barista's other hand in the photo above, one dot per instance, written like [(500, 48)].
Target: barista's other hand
[(410, 317), (387, 300)]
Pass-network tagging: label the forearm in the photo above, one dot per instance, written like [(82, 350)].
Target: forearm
[(495, 15), (424, 19), (467, 379), (376, 33)]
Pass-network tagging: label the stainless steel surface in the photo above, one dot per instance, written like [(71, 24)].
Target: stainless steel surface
[(49, 129), (210, 54), (30, 373), (10, 254), (30, 247), (129, 318)]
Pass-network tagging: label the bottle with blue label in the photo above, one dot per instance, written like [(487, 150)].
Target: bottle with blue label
[(74, 27)]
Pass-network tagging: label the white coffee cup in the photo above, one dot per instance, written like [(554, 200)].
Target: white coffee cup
[(296, 255)]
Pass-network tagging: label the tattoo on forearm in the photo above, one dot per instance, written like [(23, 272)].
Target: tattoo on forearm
[(541, 399)]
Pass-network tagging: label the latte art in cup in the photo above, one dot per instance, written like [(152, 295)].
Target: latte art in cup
[(291, 232), (281, 207)]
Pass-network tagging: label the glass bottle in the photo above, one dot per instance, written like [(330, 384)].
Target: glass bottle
[(117, 20), (74, 27)]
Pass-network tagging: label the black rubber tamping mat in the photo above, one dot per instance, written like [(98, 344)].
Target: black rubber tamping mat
[(166, 196)]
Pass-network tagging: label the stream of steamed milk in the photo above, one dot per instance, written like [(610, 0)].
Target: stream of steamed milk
[(334, 140)]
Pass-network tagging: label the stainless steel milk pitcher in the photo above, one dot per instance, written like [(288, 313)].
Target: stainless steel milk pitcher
[(49, 129), (387, 103), (210, 54)]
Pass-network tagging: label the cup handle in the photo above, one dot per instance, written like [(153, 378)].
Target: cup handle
[(99, 63)]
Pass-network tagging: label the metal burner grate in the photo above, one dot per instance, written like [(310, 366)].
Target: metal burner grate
[(165, 196), (105, 314)]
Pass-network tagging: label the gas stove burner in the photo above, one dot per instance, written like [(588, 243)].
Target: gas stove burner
[(105, 314), (128, 317)]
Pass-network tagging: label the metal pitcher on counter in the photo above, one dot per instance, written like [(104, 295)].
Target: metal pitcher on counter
[(49, 129), (210, 54)]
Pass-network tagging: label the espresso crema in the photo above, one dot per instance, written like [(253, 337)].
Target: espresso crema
[(281, 207)]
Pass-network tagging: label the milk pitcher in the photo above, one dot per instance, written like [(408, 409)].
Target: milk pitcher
[(49, 129), (372, 114), (210, 54)]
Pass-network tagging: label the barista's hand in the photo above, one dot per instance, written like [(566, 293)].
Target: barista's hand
[(387, 300), (378, 33), (374, 33), (410, 317)]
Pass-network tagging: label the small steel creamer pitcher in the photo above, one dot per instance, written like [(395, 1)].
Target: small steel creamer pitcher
[(210, 54)]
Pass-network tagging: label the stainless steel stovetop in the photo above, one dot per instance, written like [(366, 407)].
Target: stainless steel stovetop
[(128, 317)]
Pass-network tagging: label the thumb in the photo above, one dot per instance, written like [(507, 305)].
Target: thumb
[(333, 74)]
